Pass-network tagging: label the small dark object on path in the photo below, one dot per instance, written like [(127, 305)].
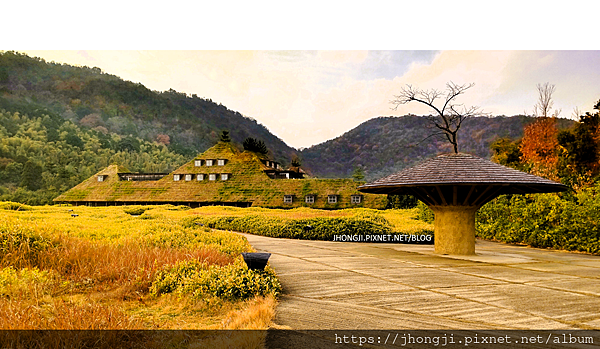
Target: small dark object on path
[(256, 260), (74, 215)]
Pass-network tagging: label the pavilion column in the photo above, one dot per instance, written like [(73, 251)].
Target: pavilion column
[(454, 229)]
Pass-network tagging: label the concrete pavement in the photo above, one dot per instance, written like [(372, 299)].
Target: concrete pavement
[(343, 285)]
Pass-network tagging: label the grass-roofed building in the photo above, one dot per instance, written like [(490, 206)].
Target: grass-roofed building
[(222, 175)]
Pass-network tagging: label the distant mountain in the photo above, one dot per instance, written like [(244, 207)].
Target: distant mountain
[(385, 145), (92, 99)]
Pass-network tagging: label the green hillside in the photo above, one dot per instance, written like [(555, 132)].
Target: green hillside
[(42, 155), (93, 99)]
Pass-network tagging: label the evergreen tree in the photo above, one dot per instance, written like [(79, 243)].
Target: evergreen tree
[(255, 145), (296, 162), (358, 174), (225, 137)]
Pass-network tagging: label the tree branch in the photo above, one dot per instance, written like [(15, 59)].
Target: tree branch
[(448, 119)]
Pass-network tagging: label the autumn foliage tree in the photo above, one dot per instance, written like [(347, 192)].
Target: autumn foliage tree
[(163, 139), (540, 144)]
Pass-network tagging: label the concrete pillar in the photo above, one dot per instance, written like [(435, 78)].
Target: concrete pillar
[(454, 229)]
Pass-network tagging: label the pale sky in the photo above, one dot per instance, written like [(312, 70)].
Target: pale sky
[(310, 72), (308, 97)]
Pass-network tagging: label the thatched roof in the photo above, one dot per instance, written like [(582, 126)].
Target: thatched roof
[(462, 171)]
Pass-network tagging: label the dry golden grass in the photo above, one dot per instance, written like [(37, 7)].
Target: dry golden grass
[(123, 263), (256, 315), (60, 314), (93, 271)]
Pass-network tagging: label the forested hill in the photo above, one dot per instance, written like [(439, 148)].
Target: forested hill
[(385, 145), (92, 99)]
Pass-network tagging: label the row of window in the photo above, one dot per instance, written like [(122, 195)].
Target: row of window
[(272, 164), (210, 162), (331, 199), (201, 176)]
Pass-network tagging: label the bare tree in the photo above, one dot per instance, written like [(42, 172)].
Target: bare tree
[(448, 115), (543, 107), (576, 113)]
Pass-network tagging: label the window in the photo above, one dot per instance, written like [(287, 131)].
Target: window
[(309, 199), (197, 163), (200, 177), (176, 177), (188, 177), (356, 199), (212, 177), (209, 162), (288, 199), (224, 176), (332, 199), (221, 162), (100, 178)]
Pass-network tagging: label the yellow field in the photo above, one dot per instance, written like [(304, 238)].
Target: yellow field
[(64, 267), (94, 271)]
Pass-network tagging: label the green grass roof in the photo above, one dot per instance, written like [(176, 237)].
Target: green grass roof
[(247, 183)]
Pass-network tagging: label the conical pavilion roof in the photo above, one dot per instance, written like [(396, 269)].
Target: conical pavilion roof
[(462, 170)]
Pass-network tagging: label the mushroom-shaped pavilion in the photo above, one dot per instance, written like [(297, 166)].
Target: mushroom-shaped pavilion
[(455, 186)]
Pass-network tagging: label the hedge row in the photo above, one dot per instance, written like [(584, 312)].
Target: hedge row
[(320, 228), (562, 221)]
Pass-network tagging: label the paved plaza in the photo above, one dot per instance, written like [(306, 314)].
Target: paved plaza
[(344, 285)]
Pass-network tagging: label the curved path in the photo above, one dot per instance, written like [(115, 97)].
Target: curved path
[(342, 285)]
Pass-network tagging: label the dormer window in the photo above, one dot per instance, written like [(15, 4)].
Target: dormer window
[(209, 162), (288, 199), (224, 176), (332, 199), (356, 199), (212, 177), (188, 177), (200, 177), (309, 199), (101, 178), (221, 162), (176, 177), (197, 163)]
